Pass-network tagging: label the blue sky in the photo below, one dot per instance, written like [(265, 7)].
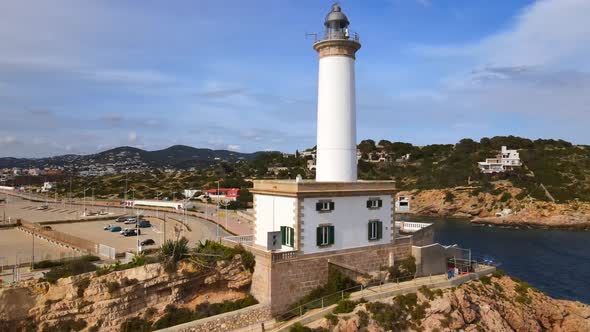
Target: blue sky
[(80, 76)]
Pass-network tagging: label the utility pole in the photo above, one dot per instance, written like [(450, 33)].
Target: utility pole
[(125, 195), (33, 251)]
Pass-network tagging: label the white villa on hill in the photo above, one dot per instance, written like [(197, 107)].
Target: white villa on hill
[(505, 161)]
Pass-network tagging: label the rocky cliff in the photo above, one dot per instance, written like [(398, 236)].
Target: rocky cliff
[(482, 207), (498, 304), (103, 302)]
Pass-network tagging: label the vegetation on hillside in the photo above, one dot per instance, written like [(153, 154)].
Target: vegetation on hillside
[(563, 168)]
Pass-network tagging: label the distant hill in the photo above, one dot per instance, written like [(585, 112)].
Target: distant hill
[(126, 157)]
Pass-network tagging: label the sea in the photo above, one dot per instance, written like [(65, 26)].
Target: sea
[(556, 262)]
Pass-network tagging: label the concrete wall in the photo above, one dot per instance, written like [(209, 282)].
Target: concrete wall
[(349, 218), (432, 259), (272, 212)]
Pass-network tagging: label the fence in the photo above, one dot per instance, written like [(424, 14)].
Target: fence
[(106, 251), (51, 235)]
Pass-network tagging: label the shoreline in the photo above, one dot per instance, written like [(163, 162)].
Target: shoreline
[(520, 223)]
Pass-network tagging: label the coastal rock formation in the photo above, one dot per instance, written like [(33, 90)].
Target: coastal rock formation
[(108, 300), (499, 304), (482, 207)]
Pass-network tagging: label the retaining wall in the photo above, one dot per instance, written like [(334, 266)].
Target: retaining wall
[(228, 321)]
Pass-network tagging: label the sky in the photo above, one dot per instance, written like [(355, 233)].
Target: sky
[(82, 76)]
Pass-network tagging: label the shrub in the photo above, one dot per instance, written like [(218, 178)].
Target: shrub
[(498, 273), (136, 324), (81, 286), (486, 280), (128, 282), (68, 269), (173, 316), (336, 282), (449, 197), (363, 318), (332, 319), (175, 249), (67, 325), (403, 269), (345, 306), (505, 197), (112, 286)]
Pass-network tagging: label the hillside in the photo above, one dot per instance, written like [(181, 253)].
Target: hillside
[(177, 156), (498, 303), (563, 168)]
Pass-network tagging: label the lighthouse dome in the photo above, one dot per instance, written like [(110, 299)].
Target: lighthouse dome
[(336, 18)]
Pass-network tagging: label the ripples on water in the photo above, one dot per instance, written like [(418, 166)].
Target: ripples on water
[(554, 261)]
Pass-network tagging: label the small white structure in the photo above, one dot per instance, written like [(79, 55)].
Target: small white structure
[(47, 186), (402, 204), (177, 205), (505, 161)]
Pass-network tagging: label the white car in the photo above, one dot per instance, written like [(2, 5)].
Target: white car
[(130, 221)]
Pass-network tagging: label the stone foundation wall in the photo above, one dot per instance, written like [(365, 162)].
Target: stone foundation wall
[(285, 282), (228, 321)]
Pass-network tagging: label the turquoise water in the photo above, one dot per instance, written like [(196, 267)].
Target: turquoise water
[(554, 261)]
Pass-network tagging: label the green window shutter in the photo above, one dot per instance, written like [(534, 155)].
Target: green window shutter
[(369, 233), (318, 206), (368, 204), (331, 234), (283, 235), (292, 237), (319, 236), (331, 206), (379, 203), (379, 230)]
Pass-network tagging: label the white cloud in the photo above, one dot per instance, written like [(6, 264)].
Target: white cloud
[(547, 33), (8, 140), (233, 147), (132, 137)]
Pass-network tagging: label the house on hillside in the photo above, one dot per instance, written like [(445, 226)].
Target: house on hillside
[(505, 161)]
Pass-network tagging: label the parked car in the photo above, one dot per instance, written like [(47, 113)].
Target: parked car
[(115, 229), (43, 207), (147, 242), (47, 228), (121, 219), (130, 221), (132, 232), (109, 226), (144, 224)]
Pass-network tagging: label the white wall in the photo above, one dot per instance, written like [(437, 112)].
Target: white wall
[(336, 128), (350, 218), (272, 212)]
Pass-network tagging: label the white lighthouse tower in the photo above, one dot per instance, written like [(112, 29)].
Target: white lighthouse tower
[(336, 128)]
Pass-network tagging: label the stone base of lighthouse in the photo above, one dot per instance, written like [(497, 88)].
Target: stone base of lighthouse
[(280, 283)]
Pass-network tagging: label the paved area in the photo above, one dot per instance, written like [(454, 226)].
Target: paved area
[(94, 231), (16, 245), (18, 208)]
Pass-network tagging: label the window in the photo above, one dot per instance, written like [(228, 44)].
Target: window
[(375, 228), (325, 235), (324, 206), (374, 203), (287, 236)]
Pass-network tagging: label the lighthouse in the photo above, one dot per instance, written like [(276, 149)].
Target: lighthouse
[(336, 113), (304, 226)]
